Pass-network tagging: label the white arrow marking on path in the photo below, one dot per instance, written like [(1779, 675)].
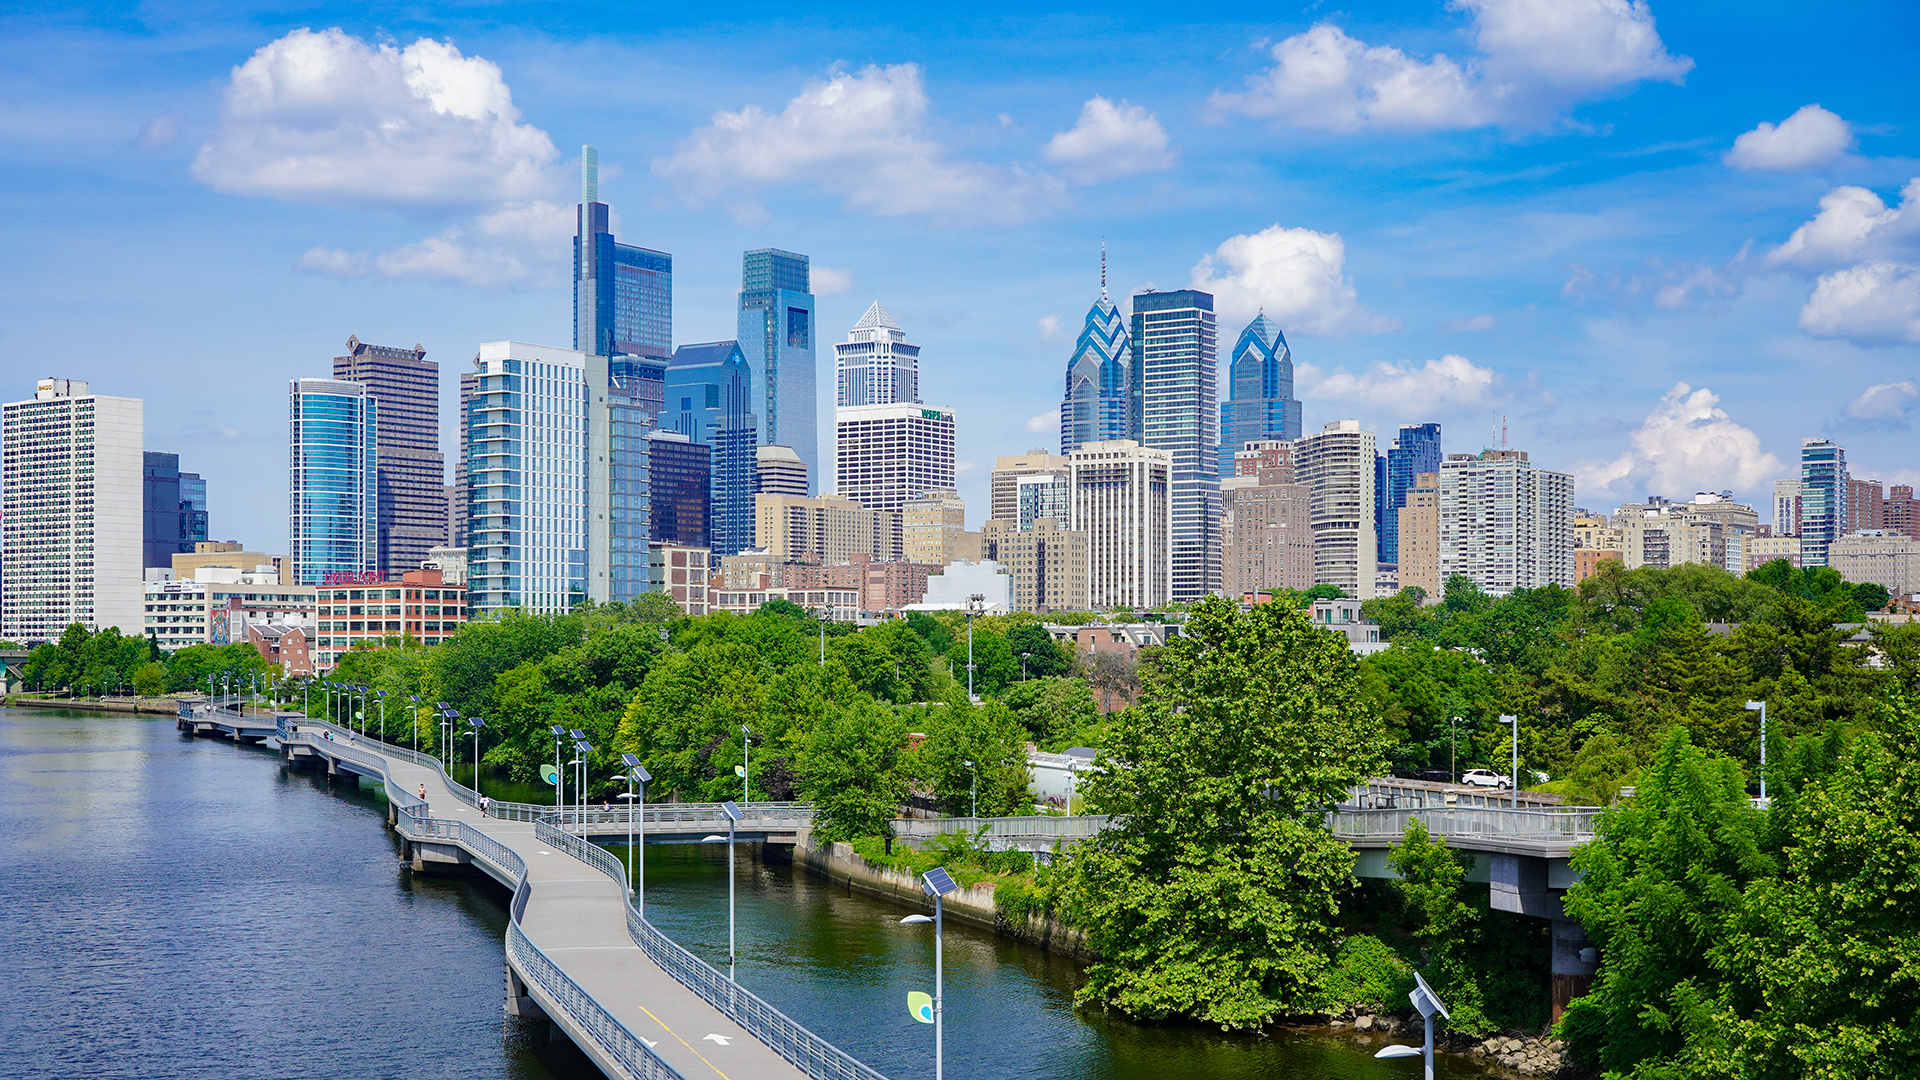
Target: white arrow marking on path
[(650, 1043), (721, 1039)]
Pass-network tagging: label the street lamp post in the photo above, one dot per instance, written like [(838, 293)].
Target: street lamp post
[(733, 816), (382, 695), (1023, 665), (1453, 752), (581, 747), (975, 789), (937, 883), (477, 725), (973, 603), (413, 721), (1761, 708), (745, 737), (637, 774), (1428, 1003), (559, 771), (1514, 723)]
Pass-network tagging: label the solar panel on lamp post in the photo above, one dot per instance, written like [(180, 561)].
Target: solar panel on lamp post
[(583, 748), (732, 811), (559, 772), (937, 883), (1428, 1003), (637, 774)]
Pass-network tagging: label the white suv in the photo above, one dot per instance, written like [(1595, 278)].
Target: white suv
[(1485, 778)]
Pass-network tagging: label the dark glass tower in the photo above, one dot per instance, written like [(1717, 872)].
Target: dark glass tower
[(622, 294), (708, 399), (1177, 409), (1260, 386), (1415, 450), (162, 528), (412, 501), (777, 336), (682, 483)]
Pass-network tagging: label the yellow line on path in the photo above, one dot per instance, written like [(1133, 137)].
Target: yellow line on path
[(685, 1043)]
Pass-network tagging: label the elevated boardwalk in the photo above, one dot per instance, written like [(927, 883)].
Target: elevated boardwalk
[(578, 952)]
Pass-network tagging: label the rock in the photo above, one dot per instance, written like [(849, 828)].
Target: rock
[(1338, 1024), (1364, 1023)]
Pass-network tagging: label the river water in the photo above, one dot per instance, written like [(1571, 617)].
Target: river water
[(174, 907)]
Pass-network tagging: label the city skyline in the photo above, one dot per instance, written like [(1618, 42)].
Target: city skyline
[(1578, 268)]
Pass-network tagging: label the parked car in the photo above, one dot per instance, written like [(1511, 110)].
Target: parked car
[(1434, 776), (1485, 778)]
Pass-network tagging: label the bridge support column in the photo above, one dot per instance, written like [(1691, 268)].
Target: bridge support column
[(1572, 976), (519, 1002)]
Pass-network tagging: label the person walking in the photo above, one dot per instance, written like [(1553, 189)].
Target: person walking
[(423, 801), (484, 803)]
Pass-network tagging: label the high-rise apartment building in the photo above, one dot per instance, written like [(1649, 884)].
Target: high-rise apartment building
[(828, 529), (1662, 534), (1175, 342), (680, 478), (931, 525), (776, 326), (1120, 497), (1048, 563), (412, 475), (622, 294), (1786, 508), (1415, 450), (709, 400), (876, 365), (457, 501), (1266, 522), (71, 536), (1902, 513), (1823, 498), (1098, 403), (1259, 379), (333, 483), (623, 410), (1505, 524), (779, 471), (193, 509), (527, 478), (1003, 484), (1866, 507), (1336, 463), (1417, 524), (887, 454), (1041, 495)]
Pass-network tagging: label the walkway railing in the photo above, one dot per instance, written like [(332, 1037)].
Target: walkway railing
[(1068, 829), (808, 1052), (1571, 823)]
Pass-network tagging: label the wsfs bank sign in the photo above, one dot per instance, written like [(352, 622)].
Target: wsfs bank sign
[(350, 577)]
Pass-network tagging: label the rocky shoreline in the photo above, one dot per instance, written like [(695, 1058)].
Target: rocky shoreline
[(1521, 1052)]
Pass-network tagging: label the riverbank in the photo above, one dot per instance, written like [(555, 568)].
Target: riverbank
[(161, 706)]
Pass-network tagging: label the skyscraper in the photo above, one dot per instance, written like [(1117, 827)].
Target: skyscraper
[(680, 481), (1260, 380), (527, 478), (876, 365), (777, 470), (1336, 464), (1504, 523), (70, 512), (709, 400), (1415, 450), (887, 454), (1174, 348), (1267, 522), (333, 488), (622, 294), (405, 387), (163, 529), (1786, 508), (193, 510), (1823, 498), (1118, 498), (621, 492), (1003, 483), (777, 336), (1099, 376)]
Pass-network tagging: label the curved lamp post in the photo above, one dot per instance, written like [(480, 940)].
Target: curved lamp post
[(733, 816), (936, 883), (477, 725), (1428, 1003), (637, 774), (1514, 723)]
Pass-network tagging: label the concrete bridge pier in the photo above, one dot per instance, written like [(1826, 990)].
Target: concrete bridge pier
[(1572, 971), (428, 857), (520, 1003)]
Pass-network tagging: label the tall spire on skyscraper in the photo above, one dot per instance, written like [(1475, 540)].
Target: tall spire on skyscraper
[(1103, 268), (589, 174)]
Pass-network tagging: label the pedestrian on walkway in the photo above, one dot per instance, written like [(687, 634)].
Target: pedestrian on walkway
[(423, 800), (484, 803)]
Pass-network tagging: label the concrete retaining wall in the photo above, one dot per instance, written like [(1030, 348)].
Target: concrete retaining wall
[(166, 706)]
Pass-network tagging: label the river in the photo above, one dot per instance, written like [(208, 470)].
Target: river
[(183, 908)]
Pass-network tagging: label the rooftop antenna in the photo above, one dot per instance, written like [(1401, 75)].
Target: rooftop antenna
[(1503, 431), (589, 174), (1103, 268)]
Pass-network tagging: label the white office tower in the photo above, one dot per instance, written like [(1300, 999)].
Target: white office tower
[(70, 512), (1120, 497), (1505, 524), (876, 364), (1336, 465), (1786, 508), (527, 478), (887, 454)]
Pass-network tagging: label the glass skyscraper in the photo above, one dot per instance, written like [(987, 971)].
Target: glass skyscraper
[(709, 399), (680, 476), (622, 294), (776, 335), (527, 478), (412, 499), (631, 413), (1175, 345), (1415, 450), (1099, 377), (1260, 384), (333, 482), (876, 364), (1823, 498)]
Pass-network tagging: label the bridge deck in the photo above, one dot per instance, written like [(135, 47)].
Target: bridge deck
[(576, 915)]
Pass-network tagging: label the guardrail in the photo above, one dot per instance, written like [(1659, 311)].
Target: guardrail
[(755, 816), (1069, 829), (1571, 823), (808, 1052)]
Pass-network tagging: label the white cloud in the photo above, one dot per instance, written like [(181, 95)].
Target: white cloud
[(1536, 60), (1886, 403), (827, 281), (1110, 141), (502, 248), (1449, 382), (1295, 275), (1043, 423), (861, 137), (1875, 303), (327, 117), (159, 131), (1687, 443), (1471, 324), (1811, 136), (1853, 224), (1049, 327)]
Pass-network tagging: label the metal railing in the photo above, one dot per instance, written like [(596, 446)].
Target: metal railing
[(1570, 823), (808, 1052), (756, 817), (1069, 829)]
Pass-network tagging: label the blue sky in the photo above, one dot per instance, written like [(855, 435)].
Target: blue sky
[(1620, 226)]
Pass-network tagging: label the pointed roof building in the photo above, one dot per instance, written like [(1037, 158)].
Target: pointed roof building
[(1260, 380), (877, 365), (1098, 375)]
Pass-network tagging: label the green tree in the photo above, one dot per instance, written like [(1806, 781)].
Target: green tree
[(150, 679), (977, 751), (1216, 898), (1057, 713), (1442, 924), (994, 663), (1040, 656), (852, 770), (1401, 615)]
